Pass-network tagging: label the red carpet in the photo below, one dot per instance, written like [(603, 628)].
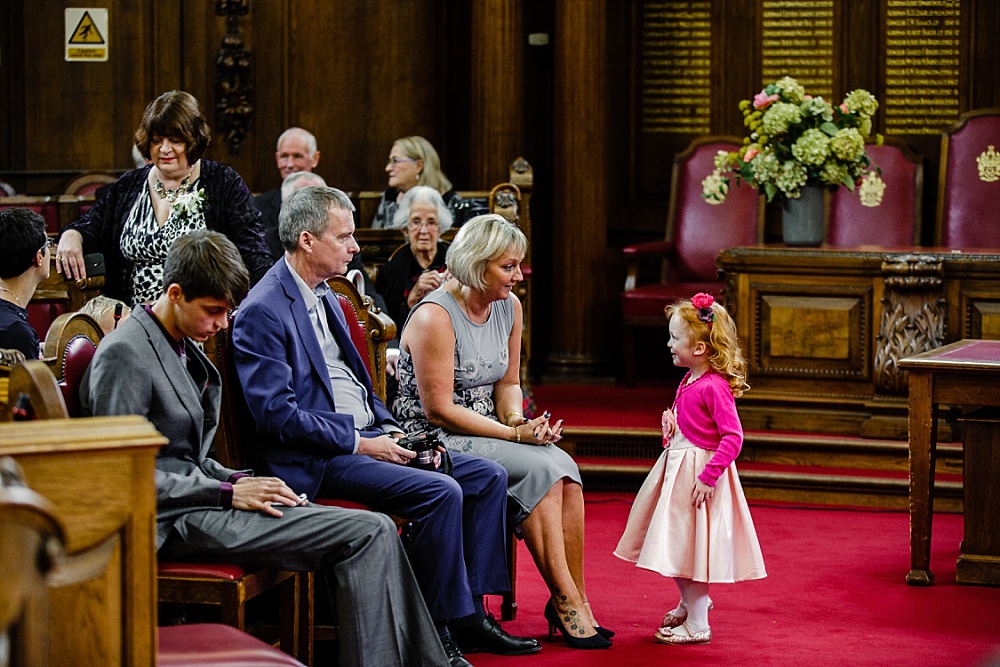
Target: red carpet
[(605, 406), (835, 594)]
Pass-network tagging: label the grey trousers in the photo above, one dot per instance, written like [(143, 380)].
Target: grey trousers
[(381, 615)]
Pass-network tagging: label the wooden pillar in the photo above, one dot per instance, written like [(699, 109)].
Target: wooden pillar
[(580, 200), (497, 99)]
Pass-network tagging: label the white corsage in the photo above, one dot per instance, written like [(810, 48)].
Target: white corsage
[(189, 204)]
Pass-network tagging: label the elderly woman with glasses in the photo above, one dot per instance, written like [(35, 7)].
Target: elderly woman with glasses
[(459, 378), (412, 161), (416, 269)]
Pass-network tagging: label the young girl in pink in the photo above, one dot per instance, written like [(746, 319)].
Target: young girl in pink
[(690, 520)]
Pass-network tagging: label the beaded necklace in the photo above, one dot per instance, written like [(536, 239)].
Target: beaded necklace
[(171, 195)]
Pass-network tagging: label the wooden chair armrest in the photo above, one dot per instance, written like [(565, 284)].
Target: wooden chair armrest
[(634, 253), (649, 249)]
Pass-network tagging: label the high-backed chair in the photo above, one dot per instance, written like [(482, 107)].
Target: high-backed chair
[(696, 233), (969, 183), (370, 331), (891, 217), (69, 348), (88, 183)]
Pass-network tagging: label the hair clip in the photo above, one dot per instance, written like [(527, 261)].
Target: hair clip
[(703, 304)]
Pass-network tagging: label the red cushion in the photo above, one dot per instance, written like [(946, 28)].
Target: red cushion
[(216, 645), (968, 215), (206, 570), (76, 358), (356, 331), (648, 301)]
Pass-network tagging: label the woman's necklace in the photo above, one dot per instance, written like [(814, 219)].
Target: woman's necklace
[(171, 195), (468, 311), (4, 289)]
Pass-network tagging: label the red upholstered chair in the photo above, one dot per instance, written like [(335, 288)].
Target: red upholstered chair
[(893, 220), (215, 645), (69, 348), (968, 187), (696, 233)]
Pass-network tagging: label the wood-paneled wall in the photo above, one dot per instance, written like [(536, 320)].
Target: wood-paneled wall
[(360, 74)]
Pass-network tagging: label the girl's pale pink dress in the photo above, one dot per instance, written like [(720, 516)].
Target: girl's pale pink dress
[(715, 543)]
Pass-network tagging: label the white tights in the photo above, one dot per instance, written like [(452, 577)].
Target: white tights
[(694, 597)]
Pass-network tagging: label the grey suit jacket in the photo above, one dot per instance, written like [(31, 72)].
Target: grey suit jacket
[(136, 372)]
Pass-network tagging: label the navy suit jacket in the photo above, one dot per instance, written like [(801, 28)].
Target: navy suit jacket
[(286, 383)]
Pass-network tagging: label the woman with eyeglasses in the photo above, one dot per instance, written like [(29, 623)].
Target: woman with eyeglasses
[(416, 269), (412, 161)]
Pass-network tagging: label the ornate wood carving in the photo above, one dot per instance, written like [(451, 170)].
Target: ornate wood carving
[(233, 77), (913, 316)]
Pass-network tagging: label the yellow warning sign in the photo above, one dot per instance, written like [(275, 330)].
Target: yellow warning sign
[(87, 37), (86, 32)]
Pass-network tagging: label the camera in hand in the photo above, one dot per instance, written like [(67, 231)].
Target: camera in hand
[(423, 444)]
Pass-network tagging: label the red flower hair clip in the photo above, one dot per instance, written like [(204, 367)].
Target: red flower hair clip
[(703, 303)]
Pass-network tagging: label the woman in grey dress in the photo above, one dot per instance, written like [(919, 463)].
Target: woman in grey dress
[(458, 376)]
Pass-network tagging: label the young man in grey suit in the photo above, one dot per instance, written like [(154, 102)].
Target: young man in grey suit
[(150, 366)]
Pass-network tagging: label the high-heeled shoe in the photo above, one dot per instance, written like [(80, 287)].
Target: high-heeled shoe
[(604, 632), (555, 623), (672, 618)]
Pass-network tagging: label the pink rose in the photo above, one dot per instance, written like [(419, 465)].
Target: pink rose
[(750, 154), (843, 108), (702, 300), (761, 100)]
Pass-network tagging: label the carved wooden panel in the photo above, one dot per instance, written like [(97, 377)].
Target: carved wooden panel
[(811, 331)]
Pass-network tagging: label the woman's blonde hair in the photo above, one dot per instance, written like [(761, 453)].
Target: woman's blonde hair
[(418, 148), (479, 242), (718, 331)]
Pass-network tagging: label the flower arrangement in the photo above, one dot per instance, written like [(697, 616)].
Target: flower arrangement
[(797, 139), (189, 204)]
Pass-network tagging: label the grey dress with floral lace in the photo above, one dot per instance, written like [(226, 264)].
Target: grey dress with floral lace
[(481, 359)]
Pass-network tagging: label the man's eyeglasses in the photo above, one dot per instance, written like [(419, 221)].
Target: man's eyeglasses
[(50, 243), (393, 161)]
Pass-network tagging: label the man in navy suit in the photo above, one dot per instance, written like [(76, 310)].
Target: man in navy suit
[(324, 431)]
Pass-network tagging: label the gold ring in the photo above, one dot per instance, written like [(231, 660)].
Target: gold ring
[(58, 258)]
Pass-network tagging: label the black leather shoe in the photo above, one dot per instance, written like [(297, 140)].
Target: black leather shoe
[(487, 636), (455, 657)]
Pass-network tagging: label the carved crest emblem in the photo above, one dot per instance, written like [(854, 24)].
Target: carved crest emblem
[(989, 165), (871, 191)]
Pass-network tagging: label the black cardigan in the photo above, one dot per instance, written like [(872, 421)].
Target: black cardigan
[(229, 209)]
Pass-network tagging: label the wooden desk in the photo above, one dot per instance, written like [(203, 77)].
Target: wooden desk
[(963, 373), (823, 329), (99, 473)]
